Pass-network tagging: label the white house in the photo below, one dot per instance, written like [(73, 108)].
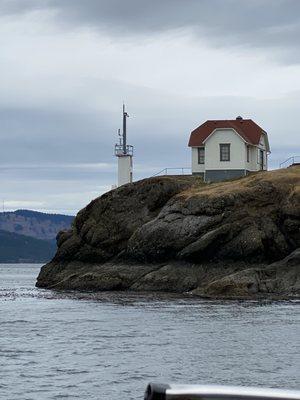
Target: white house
[(226, 149)]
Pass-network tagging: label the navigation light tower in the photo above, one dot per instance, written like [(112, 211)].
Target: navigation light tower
[(124, 152)]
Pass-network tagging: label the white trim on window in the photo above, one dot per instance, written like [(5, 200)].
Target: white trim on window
[(201, 155), (224, 152)]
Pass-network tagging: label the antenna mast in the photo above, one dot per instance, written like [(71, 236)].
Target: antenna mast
[(125, 116)]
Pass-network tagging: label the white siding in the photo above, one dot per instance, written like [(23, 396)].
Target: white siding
[(252, 164), (196, 168), (237, 150), (262, 146), (124, 170)]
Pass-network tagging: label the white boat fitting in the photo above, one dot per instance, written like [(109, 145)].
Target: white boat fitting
[(156, 391)]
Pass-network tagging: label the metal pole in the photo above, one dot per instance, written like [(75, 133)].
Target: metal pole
[(124, 130)]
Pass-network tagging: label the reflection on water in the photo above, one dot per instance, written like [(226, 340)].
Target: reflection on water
[(59, 345)]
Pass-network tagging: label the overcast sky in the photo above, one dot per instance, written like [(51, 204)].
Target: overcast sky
[(67, 65)]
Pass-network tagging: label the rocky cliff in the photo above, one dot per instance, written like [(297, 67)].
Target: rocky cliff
[(179, 234)]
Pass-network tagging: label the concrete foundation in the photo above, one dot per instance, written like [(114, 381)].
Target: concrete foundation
[(219, 175)]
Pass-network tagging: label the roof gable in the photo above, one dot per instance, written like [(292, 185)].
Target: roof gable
[(223, 129), (246, 128)]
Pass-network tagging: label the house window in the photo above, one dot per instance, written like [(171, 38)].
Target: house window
[(225, 152), (201, 155), (248, 153)]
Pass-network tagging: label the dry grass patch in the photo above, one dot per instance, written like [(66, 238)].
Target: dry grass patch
[(287, 178)]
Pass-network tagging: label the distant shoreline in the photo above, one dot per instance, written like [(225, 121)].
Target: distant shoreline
[(30, 236)]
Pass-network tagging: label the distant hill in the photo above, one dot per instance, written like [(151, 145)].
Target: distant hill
[(15, 248), (34, 224)]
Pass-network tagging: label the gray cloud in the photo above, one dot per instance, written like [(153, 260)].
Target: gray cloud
[(255, 23)]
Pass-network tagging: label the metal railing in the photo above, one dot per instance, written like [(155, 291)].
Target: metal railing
[(170, 171), (203, 392), (290, 161), (119, 150)]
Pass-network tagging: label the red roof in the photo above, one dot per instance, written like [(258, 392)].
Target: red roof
[(246, 128)]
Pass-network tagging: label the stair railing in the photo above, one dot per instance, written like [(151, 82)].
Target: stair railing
[(168, 171), (290, 161)]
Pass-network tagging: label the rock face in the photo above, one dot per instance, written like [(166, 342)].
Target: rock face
[(179, 234)]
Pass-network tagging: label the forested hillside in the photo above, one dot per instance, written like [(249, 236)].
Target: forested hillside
[(29, 236), (35, 224), (16, 248)]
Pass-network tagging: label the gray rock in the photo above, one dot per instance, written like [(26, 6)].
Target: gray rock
[(280, 279), (179, 234)]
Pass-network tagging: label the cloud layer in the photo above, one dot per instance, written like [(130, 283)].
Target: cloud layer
[(258, 23)]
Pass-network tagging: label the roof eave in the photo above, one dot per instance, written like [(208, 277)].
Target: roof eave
[(267, 141)]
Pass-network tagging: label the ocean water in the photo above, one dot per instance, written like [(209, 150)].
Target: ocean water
[(59, 345)]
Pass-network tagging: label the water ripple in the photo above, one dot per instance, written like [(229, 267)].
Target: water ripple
[(62, 345)]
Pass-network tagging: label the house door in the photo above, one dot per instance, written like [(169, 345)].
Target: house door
[(261, 159)]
